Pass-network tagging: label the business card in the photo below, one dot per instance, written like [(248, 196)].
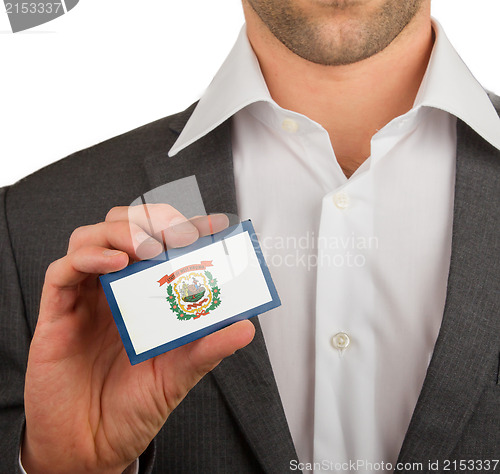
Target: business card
[(185, 294)]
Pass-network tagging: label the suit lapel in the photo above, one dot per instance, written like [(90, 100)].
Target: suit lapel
[(248, 385), (467, 343), (209, 159), (246, 379)]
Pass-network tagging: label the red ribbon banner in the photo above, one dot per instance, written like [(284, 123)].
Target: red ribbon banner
[(196, 305), (203, 313), (197, 266)]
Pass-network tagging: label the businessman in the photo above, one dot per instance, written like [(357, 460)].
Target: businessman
[(351, 125)]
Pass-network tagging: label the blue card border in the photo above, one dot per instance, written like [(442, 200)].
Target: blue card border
[(106, 280)]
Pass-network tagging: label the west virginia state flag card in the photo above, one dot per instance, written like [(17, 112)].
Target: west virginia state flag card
[(187, 293)]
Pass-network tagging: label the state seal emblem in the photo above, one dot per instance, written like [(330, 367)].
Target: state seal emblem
[(192, 291)]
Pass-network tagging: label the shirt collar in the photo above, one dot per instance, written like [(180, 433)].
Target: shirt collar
[(450, 86), (447, 85), (237, 84)]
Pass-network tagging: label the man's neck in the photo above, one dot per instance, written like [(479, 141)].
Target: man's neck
[(351, 102)]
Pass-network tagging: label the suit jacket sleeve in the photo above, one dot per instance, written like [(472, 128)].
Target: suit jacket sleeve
[(15, 338)]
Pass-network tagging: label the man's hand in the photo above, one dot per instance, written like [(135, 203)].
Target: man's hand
[(87, 409)]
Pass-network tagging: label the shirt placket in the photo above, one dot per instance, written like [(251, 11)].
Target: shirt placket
[(343, 310)]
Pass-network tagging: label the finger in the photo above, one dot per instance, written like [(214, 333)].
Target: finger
[(119, 235), (162, 221), (205, 225), (63, 276), (210, 224)]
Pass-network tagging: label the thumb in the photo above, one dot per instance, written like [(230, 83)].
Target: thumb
[(182, 368), (211, 349)]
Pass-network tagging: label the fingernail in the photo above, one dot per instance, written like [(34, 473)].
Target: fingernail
[(111, 253), (182, 226), (142, 237)]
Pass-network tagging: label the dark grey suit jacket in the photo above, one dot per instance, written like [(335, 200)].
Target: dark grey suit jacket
[(233, 420)]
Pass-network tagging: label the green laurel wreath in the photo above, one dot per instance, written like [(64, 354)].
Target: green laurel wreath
[(181, 315)]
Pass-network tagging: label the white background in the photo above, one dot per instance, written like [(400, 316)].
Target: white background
[(109, 66)]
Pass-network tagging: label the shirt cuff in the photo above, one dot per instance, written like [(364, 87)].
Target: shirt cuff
[(132, 469)]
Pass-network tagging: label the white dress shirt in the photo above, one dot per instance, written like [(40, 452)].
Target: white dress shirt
[(360, 264)]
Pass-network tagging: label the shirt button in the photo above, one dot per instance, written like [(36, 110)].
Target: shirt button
[(340, 341), (289, 125), (341, 200)]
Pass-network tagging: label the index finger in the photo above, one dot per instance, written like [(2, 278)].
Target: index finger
[(167, 224), (163, 222)]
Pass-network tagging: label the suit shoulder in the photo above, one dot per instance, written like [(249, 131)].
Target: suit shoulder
[(123, 151), (82, 187), (116, 160)]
